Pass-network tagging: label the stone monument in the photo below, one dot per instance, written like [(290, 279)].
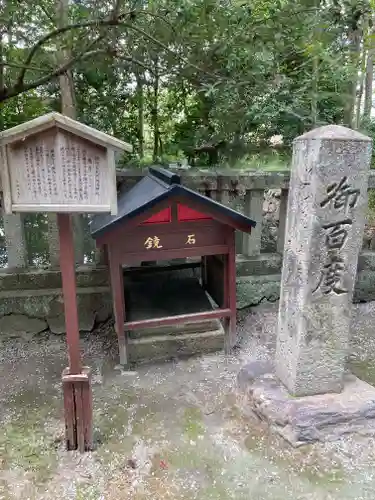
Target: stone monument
[(307, 392), (325, 222)]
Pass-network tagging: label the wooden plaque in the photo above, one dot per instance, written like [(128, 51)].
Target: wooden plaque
[(55, 169)]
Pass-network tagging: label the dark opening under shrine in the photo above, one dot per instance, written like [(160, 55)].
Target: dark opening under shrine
[(160, 220)]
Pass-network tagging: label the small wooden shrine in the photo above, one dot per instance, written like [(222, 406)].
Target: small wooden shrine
[(160, 219)]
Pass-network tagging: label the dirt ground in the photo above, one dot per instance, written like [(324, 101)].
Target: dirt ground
[(168, 431)]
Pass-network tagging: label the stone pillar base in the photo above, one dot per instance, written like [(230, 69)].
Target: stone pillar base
[(304, 420)]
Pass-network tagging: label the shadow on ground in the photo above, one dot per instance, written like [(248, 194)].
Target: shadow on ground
[(170, 431)]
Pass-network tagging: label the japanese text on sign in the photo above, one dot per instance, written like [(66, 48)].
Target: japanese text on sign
[(340, 195), (59, 171), (190, 239), (152, 242)]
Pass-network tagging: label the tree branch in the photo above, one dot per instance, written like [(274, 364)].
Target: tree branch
[(59, 31), (116, 9), (167, 49), (14, 91), (135, 61), (46, 13), (114, 19), (21, 66)]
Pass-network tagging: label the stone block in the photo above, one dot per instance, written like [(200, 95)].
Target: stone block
[(163, 347), (36, 279), (19, 325), (87, 305), (364, 290), (252, 290), (305, 420), (264, 263), (86, 322), (94, 304), (33, 305)]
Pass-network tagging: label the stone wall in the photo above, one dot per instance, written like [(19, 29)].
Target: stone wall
[(258, 280), (31, 300)]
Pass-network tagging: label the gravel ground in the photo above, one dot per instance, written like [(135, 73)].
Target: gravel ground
[(168, 431)]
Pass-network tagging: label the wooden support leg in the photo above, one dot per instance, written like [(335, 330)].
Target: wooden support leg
[(76, 380), (230, 297), (204, 272), (117, 285), (78, 409)]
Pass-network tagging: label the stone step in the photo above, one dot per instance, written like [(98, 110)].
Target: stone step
[(164, 347)]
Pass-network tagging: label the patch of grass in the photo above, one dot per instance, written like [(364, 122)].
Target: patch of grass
[(27, 442), (87, 492), (301, 461), (263, 162), (192, 423), (27, 446), (111, 422)]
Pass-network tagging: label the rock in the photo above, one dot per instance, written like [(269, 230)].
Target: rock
[(305, 420), (252, 290), (18, 325), (86, 322), (252, 371)]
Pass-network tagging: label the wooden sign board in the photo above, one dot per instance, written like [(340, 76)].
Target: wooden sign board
[(55, 164)]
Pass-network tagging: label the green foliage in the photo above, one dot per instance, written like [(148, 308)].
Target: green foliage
[(21, 109), (205, 80)]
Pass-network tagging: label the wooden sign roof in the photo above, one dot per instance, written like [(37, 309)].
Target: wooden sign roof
[(56, 164), (52, 120), (156, 188)]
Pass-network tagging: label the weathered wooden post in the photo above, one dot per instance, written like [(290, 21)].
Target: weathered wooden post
[(57, 165)]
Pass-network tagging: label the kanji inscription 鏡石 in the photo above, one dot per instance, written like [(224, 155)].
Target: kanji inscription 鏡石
[(341, 196)]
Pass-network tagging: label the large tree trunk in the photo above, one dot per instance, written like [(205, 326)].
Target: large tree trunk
[(68, 108), (140, 102), (2, 67), (155, 114), (315, 74), (369, 80), (355, 38), (361, 88), (314, 91)]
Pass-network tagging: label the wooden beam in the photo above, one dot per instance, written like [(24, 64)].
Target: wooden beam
[(160, 269), (181, 318), (158, 255)]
